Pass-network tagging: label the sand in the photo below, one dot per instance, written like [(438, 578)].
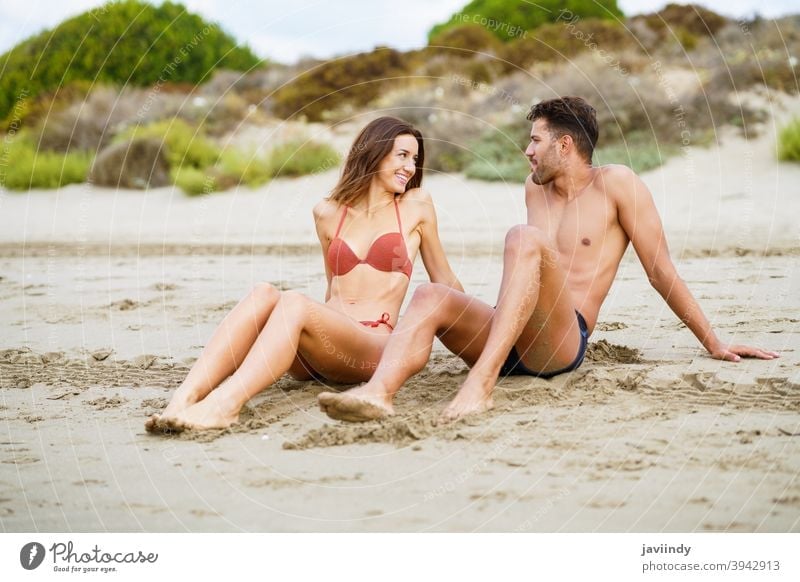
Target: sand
[(108, 297)]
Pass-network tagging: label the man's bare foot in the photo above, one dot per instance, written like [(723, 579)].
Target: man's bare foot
[(356, 405), (209, 413), (474, 397)]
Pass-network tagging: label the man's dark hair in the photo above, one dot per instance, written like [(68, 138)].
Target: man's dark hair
[(569, 116)]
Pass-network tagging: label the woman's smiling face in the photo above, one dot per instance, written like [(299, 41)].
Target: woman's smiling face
[(399, 165)]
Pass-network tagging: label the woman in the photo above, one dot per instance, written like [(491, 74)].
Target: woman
[(371, 228)]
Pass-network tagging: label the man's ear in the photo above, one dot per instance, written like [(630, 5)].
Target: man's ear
[(565, 144)]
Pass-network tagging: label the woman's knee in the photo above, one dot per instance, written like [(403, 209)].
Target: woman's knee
[(266, 293), (294, 303)]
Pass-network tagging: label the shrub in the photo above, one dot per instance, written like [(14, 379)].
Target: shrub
[(89, 123), (354, 80), (508, 20), (693, 19), (28, 110), (638, 153), (789, 141), (139, 163), (193, 181), (236, 167), (498, 155), (184, 145), (226, 114), (26, 167), (106, 45), (447, 142), (297, 158), (469, 37), (562, 40)]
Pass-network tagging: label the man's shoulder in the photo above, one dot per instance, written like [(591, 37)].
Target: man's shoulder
[(615, 172), (532, 187), (619, 182)]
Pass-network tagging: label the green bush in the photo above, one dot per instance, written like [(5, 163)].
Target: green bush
[(789, 142), (237, 167), (24, 167), (509, 20), (130, 42), (354, 80), (184, 145), (689, 18), (640, 155), (297, 158), (28, 110), (497, 156), (560, 41), (469, 37), (193, 181)]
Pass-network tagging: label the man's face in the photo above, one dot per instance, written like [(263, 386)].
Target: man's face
[(543, 153)]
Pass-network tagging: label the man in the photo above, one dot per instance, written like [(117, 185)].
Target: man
[(557, 270)]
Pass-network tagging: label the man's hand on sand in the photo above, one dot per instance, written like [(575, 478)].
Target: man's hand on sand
[(734, 353)]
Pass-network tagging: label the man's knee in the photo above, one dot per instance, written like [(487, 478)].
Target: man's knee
[(526, 240)]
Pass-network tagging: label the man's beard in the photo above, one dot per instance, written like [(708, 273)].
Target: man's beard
[(541, 176)]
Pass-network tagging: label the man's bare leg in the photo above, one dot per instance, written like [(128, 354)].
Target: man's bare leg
[(534, 311), (225, 351), (462, 322)]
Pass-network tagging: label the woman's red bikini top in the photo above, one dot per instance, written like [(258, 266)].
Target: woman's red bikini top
[(388, 252)]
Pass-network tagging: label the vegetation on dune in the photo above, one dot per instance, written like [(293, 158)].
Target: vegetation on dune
[(83, 110), (354, 80), (297, 158), (184, 145), (26, 167), (789, 141), (509, 20), (130, 42)]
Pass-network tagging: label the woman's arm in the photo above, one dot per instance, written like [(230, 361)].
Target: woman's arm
[(321, 215), (430, 247)]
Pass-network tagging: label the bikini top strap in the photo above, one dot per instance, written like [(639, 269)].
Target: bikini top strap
[(341, 222), (399, 224)]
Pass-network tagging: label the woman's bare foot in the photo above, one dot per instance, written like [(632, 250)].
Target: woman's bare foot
[(474, 397), (178, 403), (357, 404), (209, 413)]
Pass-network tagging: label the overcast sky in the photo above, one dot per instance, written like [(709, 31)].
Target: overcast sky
[(285, 30)]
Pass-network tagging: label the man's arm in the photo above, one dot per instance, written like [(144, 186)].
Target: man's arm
[(639, 218)]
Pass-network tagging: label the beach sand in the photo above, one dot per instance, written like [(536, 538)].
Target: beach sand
[(108, 297)]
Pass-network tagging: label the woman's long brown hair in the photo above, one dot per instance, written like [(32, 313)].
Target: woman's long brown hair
[(374, 142)]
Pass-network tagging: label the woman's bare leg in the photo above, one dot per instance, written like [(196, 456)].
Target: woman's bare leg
[(333, 344), (226, 350), (461, 322)]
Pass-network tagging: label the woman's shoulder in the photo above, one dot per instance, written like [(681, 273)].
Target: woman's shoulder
[(418, 206), (325, 208), (417, 195)]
